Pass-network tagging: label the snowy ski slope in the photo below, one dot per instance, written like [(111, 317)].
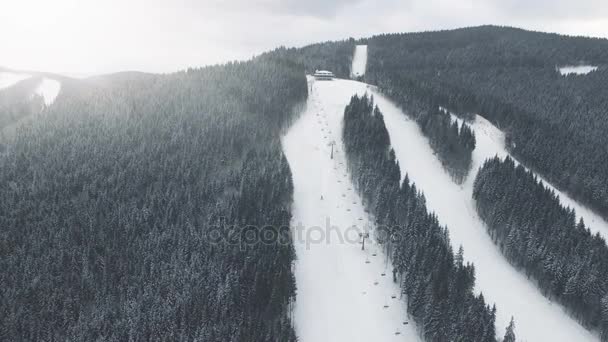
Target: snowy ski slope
[(359, 61), (342, 294), (341, 291), (49, 89), (332, 277), (537, 318)]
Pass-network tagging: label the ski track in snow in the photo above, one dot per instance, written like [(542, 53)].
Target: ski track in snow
[(8, 79), (359, 61), (491, 142), (536, 317), (49, 89), (340, 297)]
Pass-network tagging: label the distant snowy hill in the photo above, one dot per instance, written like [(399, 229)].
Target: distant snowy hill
[(23, 96), (8, 78), (48, 85)]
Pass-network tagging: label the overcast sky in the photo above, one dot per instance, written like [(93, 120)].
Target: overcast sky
[(99, 36)]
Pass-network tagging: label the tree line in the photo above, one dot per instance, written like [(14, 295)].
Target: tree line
[(109, 201), (334, 56), (437, 282), (541, 237)]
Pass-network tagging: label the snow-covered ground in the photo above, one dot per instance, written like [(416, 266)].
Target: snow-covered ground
[(491, 141), (537, 318), (576, 69), (7, 79), (49, 89), (359, 61), (342, 293)]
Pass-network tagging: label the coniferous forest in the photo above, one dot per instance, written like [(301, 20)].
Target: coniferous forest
[(111, 203), (540, 236), (437, 282)]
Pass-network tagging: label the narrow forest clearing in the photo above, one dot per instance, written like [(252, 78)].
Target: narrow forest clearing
[(359, 61)]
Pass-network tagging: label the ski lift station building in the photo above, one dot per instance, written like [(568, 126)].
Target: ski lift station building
[(324, 75)]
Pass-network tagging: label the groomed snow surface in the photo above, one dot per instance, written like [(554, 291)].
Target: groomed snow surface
[(359, 61), (536, 317), (342, 293), (49, 89), (576, 69)]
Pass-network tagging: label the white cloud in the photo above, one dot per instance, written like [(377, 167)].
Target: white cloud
[(166, 35)]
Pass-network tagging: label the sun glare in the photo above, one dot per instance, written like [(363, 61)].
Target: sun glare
[(32, 29)]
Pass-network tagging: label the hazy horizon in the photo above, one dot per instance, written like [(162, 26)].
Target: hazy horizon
[(96, 37)]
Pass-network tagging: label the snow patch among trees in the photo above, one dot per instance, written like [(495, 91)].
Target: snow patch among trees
[(49, 89), (576, 69), (359, 61)]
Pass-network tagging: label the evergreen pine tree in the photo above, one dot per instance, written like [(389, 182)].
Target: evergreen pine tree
[(510, 332)]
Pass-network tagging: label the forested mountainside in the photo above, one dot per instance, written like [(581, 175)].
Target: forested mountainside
[(19, 101), (536, 233), (113, 201), (437, 282), (555, 124), (335, 56)]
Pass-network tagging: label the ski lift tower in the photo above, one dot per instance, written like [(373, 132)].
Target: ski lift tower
[(363, 236), (332, 144)]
